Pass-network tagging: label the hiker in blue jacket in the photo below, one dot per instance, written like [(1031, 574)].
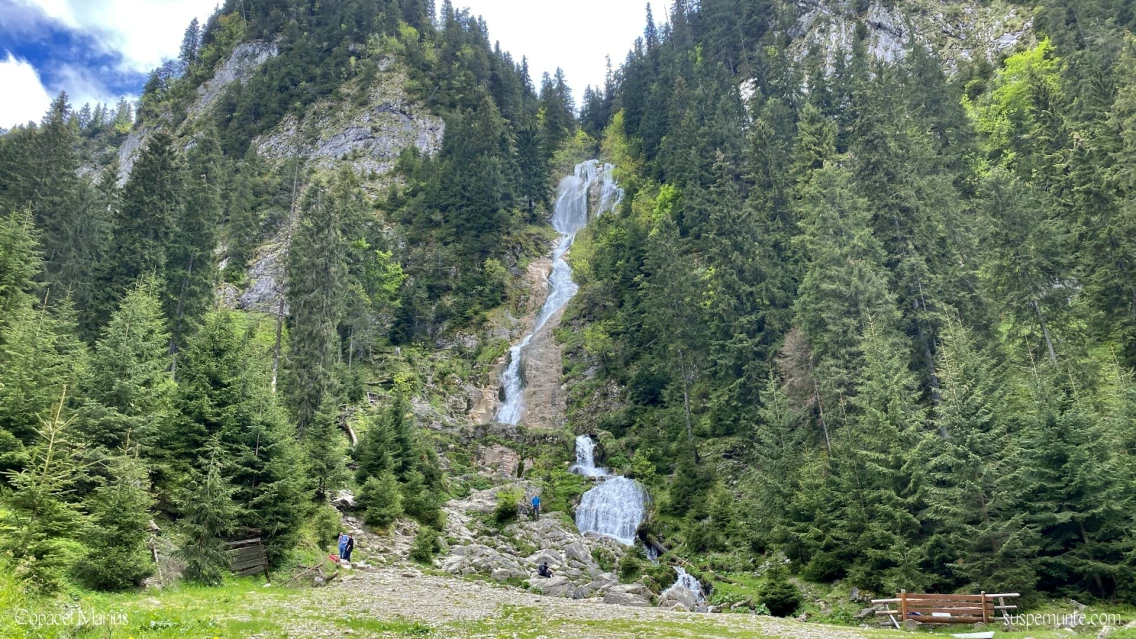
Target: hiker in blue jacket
[(536, 507), (343, 544)]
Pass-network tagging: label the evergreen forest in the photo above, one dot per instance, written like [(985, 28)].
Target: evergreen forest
[(869, 317)]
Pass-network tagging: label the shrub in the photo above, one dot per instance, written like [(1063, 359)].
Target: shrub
[(426, 545), (630, 567), (419, 500), (604, 558), (326, 523), (508, 503), (779, 594), (381, 500)]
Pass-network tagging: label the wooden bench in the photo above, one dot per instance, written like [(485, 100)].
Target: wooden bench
[(913, 609), (247, 557)]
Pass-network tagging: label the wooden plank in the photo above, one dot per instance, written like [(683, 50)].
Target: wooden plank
[(246, 564), (247, 552), (926, 610), (255, 540), (946, 604), (914, 597), (256, 570)]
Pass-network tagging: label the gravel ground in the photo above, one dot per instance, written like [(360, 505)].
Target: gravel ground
[(389, 601)]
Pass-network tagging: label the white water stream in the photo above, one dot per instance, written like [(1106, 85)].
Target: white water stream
[(569, 216), (615, 506), (687, 581)]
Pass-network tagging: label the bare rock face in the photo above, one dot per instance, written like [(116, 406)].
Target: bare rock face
[(240, 66), (369, 139), (957, 32), (128, 152), (265, 290), (499, 459), (518, 551), (545, 399)]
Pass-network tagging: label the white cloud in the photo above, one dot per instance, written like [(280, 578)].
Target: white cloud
[(84, 88), (145, 32), (24, 96), (574, 35)]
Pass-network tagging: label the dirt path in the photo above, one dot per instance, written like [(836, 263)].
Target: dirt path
[(393, 602)]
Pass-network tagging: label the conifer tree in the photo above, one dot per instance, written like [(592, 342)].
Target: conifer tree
[(210, 515), (151, 206), (38, 518), (1027, 258), (129, 373), (190, 269), (20, 261), (225, 408), (116, 556), (39, 356), (243, 226), (873, 456), (317, 279), (844, 283), (381, 500)]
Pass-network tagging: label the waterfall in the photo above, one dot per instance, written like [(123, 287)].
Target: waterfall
[(615, 506), (569, 215), (688, 582), (586, 458)]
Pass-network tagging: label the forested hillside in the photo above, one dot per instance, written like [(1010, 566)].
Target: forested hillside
[(871, 315), (135, 382), (865, 308)]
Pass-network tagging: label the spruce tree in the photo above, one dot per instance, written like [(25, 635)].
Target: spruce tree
[(381, 500), (225, 407), (152, 202), (38, 517), (317, 278), (116, 556), (129, 373), (209, 516), (874, 454), (190, 269), (844, 284)]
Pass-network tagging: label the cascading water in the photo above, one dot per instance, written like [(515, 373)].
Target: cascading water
[(688, 582), (569, 216), (615, 506), (586, 459)]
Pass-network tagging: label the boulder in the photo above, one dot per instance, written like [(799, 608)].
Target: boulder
[(578, 552), (621, 598), (556, 586)]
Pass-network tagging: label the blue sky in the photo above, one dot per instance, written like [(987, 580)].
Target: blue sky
[(100, 50)]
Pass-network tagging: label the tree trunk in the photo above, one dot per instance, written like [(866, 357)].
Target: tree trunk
[(686, 404), (1045, 332)]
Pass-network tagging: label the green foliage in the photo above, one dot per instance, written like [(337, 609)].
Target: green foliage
[(117, 557), (317, 279), (36, 519), (381, 500), (426, 544), (630, 567), (326, 522), (210, 515), (508, 505), (778, 594)]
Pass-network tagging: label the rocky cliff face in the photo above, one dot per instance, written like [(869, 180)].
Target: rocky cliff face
[(367, 138), (239, 67), (956, 31)]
